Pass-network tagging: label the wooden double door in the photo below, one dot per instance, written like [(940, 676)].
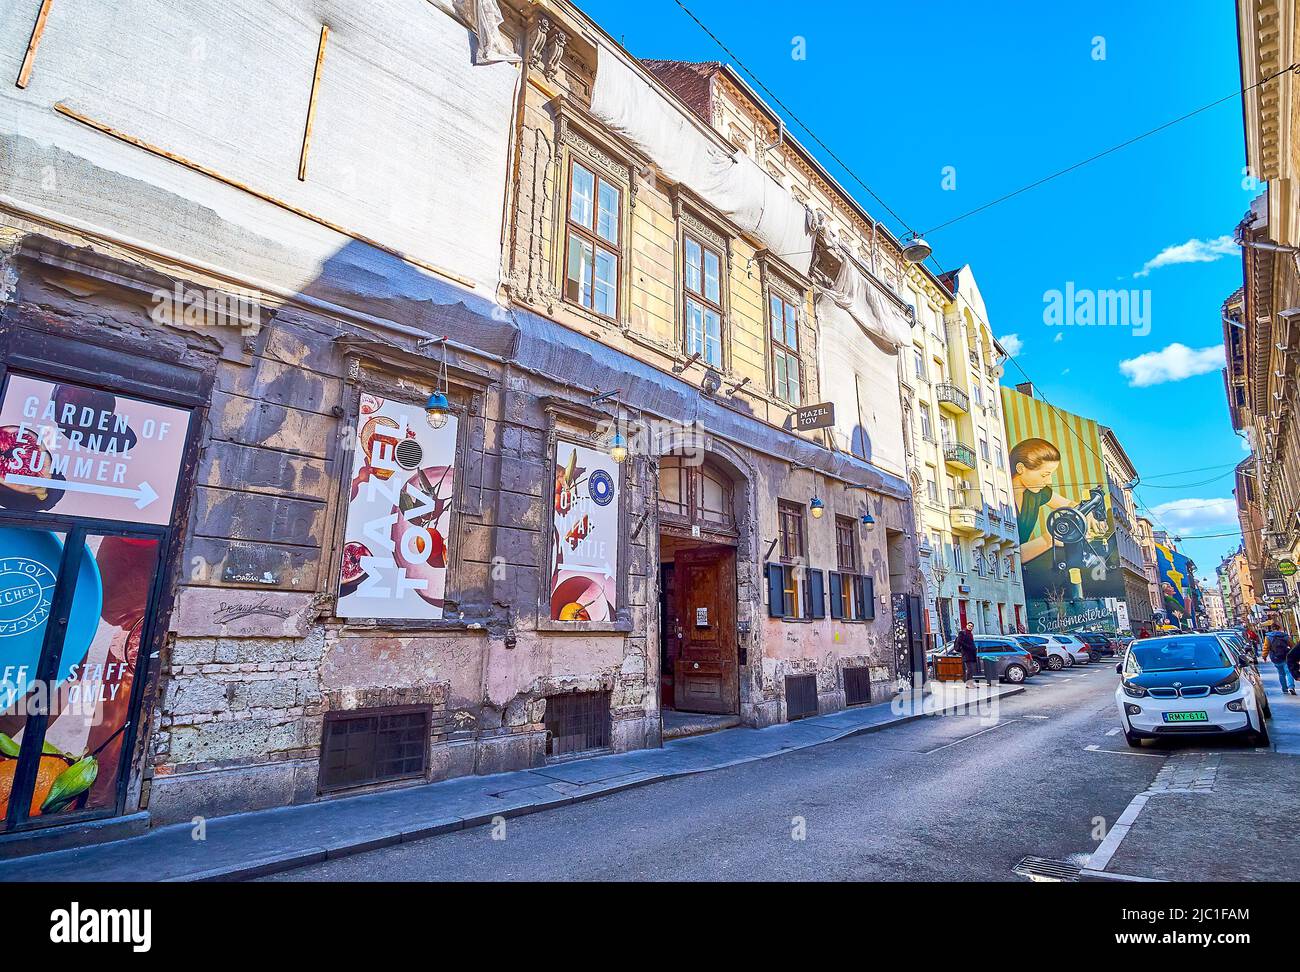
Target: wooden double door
[(700, 630)]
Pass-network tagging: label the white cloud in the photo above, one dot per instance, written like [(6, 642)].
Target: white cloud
[(1191, 515), (1012, 343), (1193, 251), (1172, 363)]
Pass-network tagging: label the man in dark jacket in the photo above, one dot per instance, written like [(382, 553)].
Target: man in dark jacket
[(969, 657), (1278, 643)]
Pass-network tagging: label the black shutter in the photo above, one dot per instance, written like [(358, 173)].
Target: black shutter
[(816, 593), (775, 591), (837, 598), (867, 597)]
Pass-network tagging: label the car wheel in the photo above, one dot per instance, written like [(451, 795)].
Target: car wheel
[(1054, 663), (1069, 660), (1015, 674), (1261, 734), (1133, 740), (1094, 656)]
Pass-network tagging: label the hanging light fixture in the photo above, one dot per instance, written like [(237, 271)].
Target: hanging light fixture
[(438, 408), (868, 519), (816, 507), (916, 250), (618, 447)]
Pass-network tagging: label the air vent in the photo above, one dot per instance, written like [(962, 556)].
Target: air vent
[(408, 453), (800, 696), (857, 685), (1046, 869), (576, 722), (366, 746)]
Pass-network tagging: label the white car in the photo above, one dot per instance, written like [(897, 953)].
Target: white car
[(1188, 684), (1077, 649), (1049, 653)]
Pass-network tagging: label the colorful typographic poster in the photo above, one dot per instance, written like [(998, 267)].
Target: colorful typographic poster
[(397, 544), (1068, 548), (77, 451), (584, 544), (82, 752)]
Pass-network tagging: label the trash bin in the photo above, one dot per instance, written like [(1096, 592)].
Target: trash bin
[(988, 667)]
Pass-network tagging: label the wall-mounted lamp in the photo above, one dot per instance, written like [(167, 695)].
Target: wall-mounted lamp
[(438, 408), (868, 519), (816, 507), (618, 447)]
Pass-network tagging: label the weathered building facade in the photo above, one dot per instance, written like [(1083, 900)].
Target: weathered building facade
[(370, 426)]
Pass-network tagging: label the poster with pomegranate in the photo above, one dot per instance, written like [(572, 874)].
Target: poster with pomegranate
[(78, 451), (584, 559), (396, 549)]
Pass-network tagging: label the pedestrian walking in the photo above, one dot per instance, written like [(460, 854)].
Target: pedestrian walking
[(966, 645), (1279, 647)]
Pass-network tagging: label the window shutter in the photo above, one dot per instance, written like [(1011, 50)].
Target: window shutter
[(816, 593), (775, 591), (837, 598), (867, 597)]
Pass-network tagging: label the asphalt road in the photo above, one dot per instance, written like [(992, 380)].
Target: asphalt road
[(944, 798)]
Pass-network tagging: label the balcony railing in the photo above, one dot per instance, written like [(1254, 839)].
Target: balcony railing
[(959, 454), (953, 397)]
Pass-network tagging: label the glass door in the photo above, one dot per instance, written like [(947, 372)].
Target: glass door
[(75, 608)]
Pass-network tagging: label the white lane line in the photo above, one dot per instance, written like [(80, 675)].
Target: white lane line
[(963, 739), (1121, 752), (1113, 732), (1106, 850), (1034, 717)]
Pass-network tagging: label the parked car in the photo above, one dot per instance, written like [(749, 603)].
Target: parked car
[(1079, 652), (1189, 684), (1045, 651), (1012, 663), (1098, 642)]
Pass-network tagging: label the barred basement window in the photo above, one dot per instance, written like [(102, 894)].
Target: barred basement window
[(576, 721), (365, 746)]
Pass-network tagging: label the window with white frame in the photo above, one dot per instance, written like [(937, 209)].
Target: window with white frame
[(593, 248), (702, 280)]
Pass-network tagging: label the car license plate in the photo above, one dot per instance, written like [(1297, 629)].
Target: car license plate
[(1186, 717)]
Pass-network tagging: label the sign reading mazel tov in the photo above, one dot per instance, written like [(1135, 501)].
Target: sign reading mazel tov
[(71, 450)]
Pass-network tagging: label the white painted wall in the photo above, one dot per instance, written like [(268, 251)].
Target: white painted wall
[(409, 148)]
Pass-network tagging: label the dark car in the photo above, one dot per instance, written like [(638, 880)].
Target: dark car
[(1099, 643)]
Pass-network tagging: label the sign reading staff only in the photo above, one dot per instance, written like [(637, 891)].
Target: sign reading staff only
[(809, 417), (76, 451)]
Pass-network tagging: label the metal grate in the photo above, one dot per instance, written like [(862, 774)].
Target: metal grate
[(1046, 869), (857, 685), (576, 721), (800, 696), (365, 746)]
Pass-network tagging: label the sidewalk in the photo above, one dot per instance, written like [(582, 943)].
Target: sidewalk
[(252, 844), (1214, 811)]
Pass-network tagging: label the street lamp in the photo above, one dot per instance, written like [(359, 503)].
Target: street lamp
[(816, 507), (916, 250)]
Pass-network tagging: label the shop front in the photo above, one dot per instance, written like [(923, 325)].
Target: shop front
[(94, 465)]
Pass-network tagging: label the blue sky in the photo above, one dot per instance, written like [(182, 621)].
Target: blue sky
[(1006, 93)]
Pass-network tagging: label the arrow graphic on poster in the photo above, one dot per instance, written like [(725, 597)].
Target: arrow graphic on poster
[(143, 494)]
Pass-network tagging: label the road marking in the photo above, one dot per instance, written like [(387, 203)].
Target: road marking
[(1113, 732), (1034, 717), (1121, 752), (927, 752)]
